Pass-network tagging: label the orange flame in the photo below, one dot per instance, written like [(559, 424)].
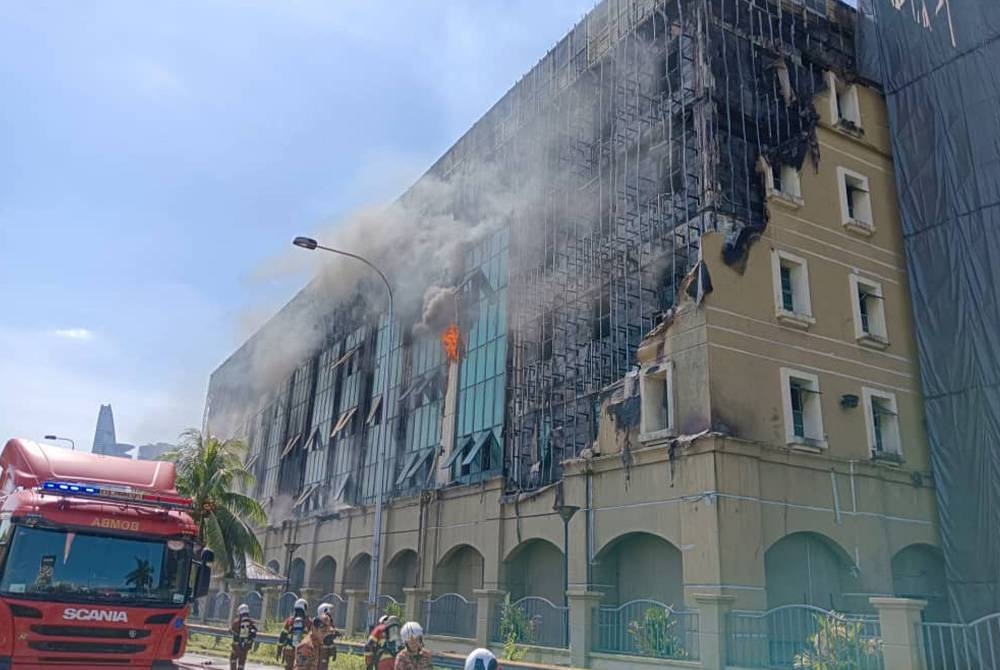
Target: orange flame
[(450, 342)]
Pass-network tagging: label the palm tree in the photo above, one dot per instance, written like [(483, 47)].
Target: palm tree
[(211, 473)]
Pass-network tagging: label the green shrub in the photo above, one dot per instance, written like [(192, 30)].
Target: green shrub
[(655, 636), (838, 644)]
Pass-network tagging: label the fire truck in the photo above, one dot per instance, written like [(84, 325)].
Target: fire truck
[(99, 561)]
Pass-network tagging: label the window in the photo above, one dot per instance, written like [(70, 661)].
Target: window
[(855, 202), (882, 422), (845, 110), (803, 413), (782, 184), (657, 393), (869, 312), (791, 290)]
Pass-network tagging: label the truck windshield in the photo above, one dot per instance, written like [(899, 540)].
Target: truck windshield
[(71, 566)]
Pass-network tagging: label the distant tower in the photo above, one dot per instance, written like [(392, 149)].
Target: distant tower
[(105, 441)]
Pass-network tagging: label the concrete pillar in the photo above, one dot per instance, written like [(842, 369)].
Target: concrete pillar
[(414, 605), (443, 474), (712, 611), (354, 598), (581, 625), (487, 613), (270, 595), (902, 645), (237, 596)]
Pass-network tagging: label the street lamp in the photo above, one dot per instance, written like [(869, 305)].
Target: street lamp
[(72, 444), (381, 449), (290, 548), (566, 513)]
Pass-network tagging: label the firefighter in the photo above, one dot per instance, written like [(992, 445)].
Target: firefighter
[(308, 651), (244, 630), (328, 652), (413, 656), (482, 659), (382, 645), (296, 628)]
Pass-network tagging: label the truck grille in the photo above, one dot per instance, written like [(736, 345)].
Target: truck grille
[(86, 647), (83, 631)]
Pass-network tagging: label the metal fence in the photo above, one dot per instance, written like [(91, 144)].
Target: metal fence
[(286, 605), (361, 611), (255, 601), (647, 628), (957, 646), (773, 639), (533, 620), (339, 609), (450, 614), (218, 607)]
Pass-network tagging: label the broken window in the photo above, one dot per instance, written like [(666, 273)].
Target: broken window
[(869, 312), (343, 422), (855, 202), (791, 289), (374, 414), (657, 399), (882, 423), (290, 445), (845, 108), (803, 411)]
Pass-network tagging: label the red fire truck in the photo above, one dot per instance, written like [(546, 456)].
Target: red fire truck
[(99, 561)]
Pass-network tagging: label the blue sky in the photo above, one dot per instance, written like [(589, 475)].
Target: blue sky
[(154, 156)]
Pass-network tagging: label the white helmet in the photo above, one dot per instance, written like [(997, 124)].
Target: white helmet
[(411, 630), (243, 609), (301, 604), (325, 609), (481, 659), (382, 619)]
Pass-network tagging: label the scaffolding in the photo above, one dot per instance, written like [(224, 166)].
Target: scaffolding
[(644, 127)]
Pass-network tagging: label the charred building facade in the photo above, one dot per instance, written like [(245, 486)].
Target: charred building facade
[(662, 186)]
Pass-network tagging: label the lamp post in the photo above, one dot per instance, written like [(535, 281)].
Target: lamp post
[(290, 548), (72, 444), (376, 561), (566, 513)]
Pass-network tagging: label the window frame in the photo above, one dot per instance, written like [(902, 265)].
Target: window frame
[(791, 198), (661, 375), (840, 89), (877, 338), (895, 454), (863, 226), (813, 422), (803, 316)]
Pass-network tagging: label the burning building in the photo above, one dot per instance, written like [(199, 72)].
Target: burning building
[(661, 280)]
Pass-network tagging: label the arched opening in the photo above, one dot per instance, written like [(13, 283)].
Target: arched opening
[(274, 566), (356, 577), (640, 565), (400, 573), (534, 568), (296, 575), (324, 574), (918, 572), (811, 569), (460, 571)]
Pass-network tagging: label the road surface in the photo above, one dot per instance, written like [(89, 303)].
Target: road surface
[(192, 661)]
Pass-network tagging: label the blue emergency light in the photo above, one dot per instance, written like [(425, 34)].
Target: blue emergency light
[(71, 488), (114, 493)]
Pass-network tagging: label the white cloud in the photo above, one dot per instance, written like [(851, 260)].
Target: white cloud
[(74, 333)]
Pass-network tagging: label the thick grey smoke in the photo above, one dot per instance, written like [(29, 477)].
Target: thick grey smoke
[(419, 242)]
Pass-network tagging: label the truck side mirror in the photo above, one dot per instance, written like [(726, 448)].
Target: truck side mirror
[(204, 576)]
